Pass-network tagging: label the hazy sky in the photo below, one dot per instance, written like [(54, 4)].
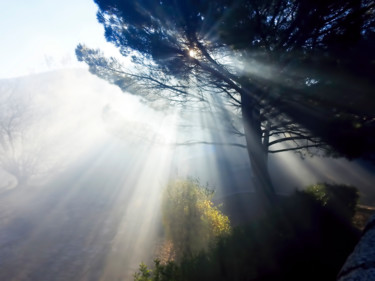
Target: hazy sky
[(40, 35)]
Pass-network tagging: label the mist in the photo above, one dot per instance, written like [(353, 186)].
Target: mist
[(83, 166)]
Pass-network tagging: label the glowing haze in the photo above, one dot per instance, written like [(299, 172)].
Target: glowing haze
[(98, 158)]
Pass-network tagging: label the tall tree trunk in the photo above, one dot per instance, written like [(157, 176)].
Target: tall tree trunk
[(257, 152)]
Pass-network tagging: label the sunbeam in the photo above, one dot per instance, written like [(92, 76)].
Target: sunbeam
[(185, 140)]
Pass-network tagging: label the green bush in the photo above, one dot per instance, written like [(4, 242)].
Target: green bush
[(303, 240), (165, 272), (341, 199), (190, 219)]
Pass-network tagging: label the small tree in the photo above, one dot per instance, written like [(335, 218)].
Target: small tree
[(18, 155), (190, 219), (27, 150)]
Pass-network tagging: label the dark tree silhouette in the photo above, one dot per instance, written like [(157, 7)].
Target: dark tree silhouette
[(292, 69)]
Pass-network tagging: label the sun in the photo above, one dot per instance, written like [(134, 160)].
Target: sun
[(192, 53)]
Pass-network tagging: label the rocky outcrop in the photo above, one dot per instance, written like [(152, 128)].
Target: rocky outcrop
[(360, 265)]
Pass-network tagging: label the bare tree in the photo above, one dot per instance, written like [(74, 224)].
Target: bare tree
[(20, 154)]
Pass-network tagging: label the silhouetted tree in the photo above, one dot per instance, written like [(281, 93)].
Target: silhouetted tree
[(283, 65), (20, 154)]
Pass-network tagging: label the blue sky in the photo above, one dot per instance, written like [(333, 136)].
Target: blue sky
[(41, 35)]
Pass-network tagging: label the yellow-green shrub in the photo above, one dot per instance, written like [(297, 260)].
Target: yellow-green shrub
[(190, 219)]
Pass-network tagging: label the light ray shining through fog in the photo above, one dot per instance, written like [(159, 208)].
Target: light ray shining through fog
[(83, 163), (97, 211)]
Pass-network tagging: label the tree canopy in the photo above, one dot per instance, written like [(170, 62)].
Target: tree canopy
[(300, 73)]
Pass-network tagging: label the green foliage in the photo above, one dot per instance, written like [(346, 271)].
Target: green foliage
[(342, 199), (302, 240), (161, 272), (144, 273), (191, 221)]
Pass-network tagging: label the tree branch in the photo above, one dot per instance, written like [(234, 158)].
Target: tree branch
[(296, 148), (188, 143), (290, 139)]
